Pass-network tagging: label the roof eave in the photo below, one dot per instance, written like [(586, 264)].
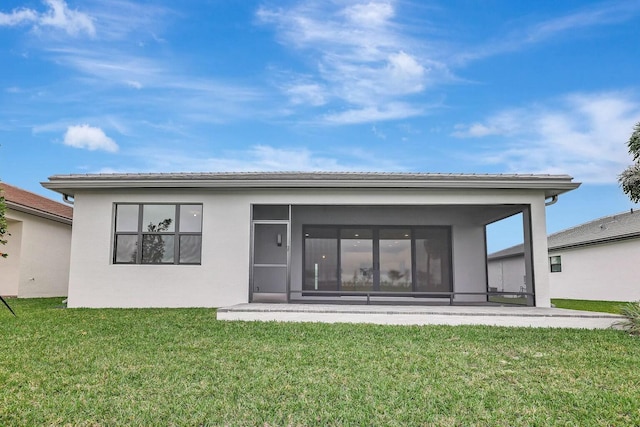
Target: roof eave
[(39, 213), (551, 187)]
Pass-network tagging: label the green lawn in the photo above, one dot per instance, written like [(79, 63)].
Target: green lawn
[(182, 367), (578, 304)]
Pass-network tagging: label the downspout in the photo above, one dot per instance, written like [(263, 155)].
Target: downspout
[(67, 199), (553, 200)]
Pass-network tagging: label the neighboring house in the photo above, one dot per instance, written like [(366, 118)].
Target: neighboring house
[(38, 244), (218, 239), (597, 260)]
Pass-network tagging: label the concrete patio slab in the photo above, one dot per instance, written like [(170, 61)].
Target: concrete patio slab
[(420, 315)]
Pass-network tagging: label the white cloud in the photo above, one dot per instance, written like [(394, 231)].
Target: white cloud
[(58, 16), (17, 17), (373, 114), (602, 13), (369, 14), (89, 137), (134, 84), (504, 123), (583, 135), (361, 56), (306, 93), (261, 158), (72, 21)]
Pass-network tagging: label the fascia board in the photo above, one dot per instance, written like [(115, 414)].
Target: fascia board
[(551, 187), (594, 242), (38, 212)]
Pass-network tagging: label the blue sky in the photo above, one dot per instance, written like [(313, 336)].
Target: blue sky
[(428, 86)]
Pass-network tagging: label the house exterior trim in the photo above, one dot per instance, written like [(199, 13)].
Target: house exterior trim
[(551, 184), (37, 212)]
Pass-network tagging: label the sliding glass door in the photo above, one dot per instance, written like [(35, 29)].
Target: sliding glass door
[(321, 259), (395, 260), (356, 259), (433, 260), (381, 258)]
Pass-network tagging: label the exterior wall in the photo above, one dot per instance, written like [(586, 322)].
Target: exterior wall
[(39, 256), (538, 273), (607, 272), (10, 266), (469, 268), (223, 277), (507, 274)]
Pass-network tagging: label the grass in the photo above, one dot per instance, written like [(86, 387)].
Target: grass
[(171, 367), (586, 305)]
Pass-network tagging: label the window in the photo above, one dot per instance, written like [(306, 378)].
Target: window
[(157, 234), (555, 262)]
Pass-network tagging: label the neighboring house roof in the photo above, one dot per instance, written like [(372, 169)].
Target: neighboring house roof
[(551, 184), (28, 202), (610, 228)]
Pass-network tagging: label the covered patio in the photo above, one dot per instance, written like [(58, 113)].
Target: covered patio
[(429, 252)]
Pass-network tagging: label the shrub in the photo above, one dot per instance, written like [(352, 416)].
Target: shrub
[(631, 312)]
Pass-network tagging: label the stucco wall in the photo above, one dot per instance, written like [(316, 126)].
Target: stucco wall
[(609, 272), (223, 277), (507, 274), (10, 266), (39, 255)]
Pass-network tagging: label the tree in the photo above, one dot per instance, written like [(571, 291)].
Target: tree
[(153, 245), (629, 179)]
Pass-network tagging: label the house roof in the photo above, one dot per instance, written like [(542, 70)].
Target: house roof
[(28, 202), (551, 184), (621, 226)]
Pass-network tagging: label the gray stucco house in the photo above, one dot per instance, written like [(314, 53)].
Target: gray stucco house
[(219, 239)]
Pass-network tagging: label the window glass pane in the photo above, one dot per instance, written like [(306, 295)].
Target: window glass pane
[(321, 262), (395, 260), (190, 249), (158, 218), (190, 218), (433, 251), (356, 260), (157, 249), (126, 248), (262, 212), (127, 218)]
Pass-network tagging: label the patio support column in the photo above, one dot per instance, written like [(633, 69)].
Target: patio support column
[(536, 253)]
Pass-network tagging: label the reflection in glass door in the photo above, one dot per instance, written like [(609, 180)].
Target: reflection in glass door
[(395, 260), (356, 259), (321, 259), (386, 258), (433, 260)]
